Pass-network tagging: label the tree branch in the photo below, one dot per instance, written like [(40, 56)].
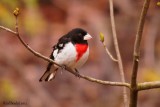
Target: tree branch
[(148, 85), (104, 45), (99, 81), (68, 69), (120, 64), (136, 54), (8, 30), (109, 54)]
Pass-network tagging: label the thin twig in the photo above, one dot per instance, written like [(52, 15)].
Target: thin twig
[(7, 29), (109, 54), (120, 64), (27, 46), (136, 54), (30, 49)]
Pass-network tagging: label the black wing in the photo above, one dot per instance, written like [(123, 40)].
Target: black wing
[(48, 76), (61, 43)]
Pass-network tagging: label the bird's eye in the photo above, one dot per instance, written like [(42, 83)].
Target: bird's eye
[(79, 34)]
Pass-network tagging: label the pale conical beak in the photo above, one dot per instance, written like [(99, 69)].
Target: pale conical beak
[(87, 37)]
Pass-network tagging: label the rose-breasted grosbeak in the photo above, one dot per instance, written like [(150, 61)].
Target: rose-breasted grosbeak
[(71, 50)]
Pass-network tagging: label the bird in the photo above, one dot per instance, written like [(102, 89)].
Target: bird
[(72, 50)]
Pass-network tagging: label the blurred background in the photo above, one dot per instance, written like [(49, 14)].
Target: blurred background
[(42, 22)]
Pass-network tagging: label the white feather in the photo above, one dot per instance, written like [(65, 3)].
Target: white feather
[(50, 77), (61, 45), (68, 55)]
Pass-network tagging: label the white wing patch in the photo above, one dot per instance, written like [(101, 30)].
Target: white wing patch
[(60, 45)]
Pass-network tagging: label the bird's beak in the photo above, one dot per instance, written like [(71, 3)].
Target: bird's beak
[(87, 37)]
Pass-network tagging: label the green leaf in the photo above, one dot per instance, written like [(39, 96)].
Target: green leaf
[(101, 37)]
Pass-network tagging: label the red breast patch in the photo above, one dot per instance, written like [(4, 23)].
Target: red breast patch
[(81, 49)]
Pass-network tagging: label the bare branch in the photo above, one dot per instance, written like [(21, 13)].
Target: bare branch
[(134, 92), (148, 85), (120, 64), (68, 69), (99, 81), (30, 49), (104, 45), (7, 29), (109, 54)]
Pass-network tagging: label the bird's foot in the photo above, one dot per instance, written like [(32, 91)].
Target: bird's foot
[(63, 68), (77, 73)]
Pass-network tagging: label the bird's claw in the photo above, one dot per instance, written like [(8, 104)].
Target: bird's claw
[(77, 73), (63, 68)]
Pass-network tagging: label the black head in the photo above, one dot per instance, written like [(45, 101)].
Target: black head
[(79, 35)]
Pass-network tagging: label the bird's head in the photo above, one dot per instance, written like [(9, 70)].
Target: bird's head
[(79, 35)]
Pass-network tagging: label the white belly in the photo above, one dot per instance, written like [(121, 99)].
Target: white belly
[(68, 56)]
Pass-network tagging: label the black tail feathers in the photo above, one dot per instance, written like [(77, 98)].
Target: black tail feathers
[(48, 75)]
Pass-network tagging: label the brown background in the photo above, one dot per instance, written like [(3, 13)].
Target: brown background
[(42, 22)]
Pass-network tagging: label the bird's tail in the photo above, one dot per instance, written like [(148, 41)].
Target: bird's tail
[(48, 76)]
